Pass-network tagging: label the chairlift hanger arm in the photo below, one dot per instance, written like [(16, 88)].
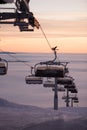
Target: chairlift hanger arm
[(51, 62), (55, 53), (64, 64)]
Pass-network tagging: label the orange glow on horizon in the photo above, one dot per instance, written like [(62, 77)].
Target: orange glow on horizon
[(64, 44), (68, 36)]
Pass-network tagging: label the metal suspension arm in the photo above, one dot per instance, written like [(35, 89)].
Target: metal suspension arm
[(22, 5)]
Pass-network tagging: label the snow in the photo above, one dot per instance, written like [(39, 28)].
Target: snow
[(22, 117)]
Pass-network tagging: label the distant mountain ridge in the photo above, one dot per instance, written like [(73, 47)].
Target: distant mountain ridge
[(6, 52), (6, 103)]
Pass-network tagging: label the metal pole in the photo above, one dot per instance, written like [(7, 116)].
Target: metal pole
[(55, 96), (67, 98), (71, 102)]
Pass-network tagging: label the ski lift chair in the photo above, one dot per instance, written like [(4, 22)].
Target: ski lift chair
[(33, 80), (75, 98), (49, 84), (64, 97), (70, 86), (76, 101), (67, 100), (65, 81), (59, 89), (49, 71), (3, 66), (73, 90)]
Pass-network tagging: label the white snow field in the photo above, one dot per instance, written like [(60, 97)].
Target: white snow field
[(22, 117)]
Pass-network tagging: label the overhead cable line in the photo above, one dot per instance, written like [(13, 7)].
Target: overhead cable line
[(52, 48), (17, 59), (45, 37)]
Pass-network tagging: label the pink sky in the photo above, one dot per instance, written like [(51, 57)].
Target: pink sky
[(69, 36), (64, 23)]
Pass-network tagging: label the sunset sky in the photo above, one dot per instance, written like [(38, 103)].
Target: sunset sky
[(63, 21)]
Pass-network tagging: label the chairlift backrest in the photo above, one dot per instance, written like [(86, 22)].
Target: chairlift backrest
[(75, 98), (59, 89), (49, 71), (73, 90), (67, 100), (70, 86), (49, 84), (63, 97), (76, 101), (33, 80), (64, 81), (3, 67)]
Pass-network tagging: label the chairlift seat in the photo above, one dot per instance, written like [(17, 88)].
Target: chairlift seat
[(60, 89), (71, 86), (75, 98), (33, 80), (3, 69), (64, 97), (49, 71), (73, 90), (67, 100), (64, 81), (49, 84), (76, 101)]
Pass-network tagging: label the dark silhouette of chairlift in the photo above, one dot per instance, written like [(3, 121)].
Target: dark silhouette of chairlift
[(23, 17), (59, 89), (32, 79), (49, 71), (65, 81), (76, 101), (51, 84), (67, 100), (3, 66), (70, 86), (74, 97), (73, 90), (73, 100), (57, 71), (46, 69)]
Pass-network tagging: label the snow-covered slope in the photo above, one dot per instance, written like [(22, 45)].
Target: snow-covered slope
[(20, 117)]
